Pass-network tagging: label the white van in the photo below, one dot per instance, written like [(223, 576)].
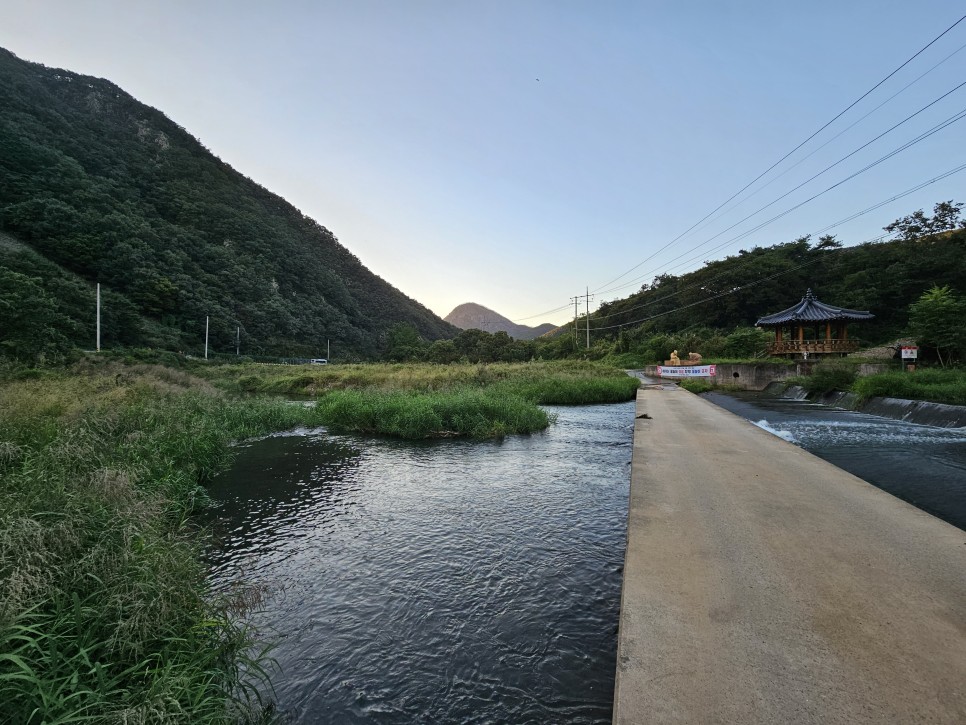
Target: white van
[(319, 361)]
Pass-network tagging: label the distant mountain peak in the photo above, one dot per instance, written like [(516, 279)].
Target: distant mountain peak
[(471, 315)]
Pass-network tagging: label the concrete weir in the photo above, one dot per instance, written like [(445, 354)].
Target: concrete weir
[(764, 585)]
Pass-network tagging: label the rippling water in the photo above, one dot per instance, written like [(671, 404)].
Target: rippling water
[(438, 582), (921, 464)]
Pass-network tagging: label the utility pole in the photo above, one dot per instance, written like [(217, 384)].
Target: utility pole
[(98, 316), (327, 350), (575, 299), (237, 341), (586, 297), (206, 337)]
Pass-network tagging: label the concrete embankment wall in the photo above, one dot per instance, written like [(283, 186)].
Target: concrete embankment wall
[(764, 585), (911, 411), (750, 376)]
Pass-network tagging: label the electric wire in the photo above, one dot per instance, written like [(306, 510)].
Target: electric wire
[(783, 158), (740, 266), (926, 134), (816, 150)]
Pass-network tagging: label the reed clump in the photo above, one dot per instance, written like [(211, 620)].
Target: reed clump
[(104, 611), (563, 382), (937, 386), (480, 401), (414, 414)]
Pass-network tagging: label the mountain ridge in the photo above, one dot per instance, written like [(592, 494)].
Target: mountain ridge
[(110, 190), (471, 315)]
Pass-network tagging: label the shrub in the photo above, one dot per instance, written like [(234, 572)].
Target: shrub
[(828, 376)]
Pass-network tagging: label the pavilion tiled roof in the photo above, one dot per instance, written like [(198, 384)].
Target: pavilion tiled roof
[(811, 310)]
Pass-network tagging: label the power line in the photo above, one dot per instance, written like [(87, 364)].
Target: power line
[(816, 150), (878, 205), (926, 134), (542, 314), (770, 168)]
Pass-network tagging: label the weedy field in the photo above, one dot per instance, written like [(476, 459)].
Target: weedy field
[(104, 611), (423, 400)]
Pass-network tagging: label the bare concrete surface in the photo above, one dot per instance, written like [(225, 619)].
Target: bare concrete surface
[(764, 585)]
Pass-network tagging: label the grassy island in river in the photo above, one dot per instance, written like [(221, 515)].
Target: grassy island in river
[(105, 614)]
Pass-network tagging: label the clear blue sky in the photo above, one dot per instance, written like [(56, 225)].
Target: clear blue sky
[(513, 153)]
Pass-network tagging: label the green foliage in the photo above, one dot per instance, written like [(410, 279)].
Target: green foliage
[(101, 188), (945, 218), (404, 343), (104, 614), (569, 390), (938, 386), (747, 343), (828, 376), (477, 346), (33, 329), (442, 352), (938, 320), (882, 277), (696, 386), (412, 414), (473, 400)]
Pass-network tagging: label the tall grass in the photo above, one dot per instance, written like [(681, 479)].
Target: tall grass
[(104, 613), (827, 376), (415, 414), (937, 386), (422, 401), (570, 382)]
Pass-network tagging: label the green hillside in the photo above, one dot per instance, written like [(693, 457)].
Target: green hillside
[(884, 278), (101, 188)]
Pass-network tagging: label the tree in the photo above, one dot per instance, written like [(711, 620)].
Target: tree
[(443, 352), (472, 344), (32, 327), (945, 217), (936, 320), (404, 343)]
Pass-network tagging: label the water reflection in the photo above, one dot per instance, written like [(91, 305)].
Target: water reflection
[(450, 581)]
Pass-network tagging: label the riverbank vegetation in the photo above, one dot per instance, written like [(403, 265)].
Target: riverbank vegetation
[(104, 611), (415, 400), (104, 614), (934, 385)]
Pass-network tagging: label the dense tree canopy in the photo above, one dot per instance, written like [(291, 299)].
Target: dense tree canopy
[(101, 188), (884, 278), (938, 320)]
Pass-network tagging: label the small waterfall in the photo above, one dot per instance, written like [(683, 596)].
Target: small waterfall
[(795, 392), (785, 435), (839, 399), (910, 411), (917, 411)]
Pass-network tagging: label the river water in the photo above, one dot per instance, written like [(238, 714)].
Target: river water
[(439, 582), (923, 465)]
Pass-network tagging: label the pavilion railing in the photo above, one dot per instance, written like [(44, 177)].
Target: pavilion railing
[(818, 347)]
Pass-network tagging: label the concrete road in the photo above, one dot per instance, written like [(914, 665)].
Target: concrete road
[(764, 585)]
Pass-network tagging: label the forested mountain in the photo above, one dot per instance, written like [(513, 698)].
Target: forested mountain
[(882, 277), (470, 315), (97, 187)]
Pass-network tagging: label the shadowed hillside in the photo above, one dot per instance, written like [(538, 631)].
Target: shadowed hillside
[(101, 188)]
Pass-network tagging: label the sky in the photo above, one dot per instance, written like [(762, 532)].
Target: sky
[(517, 153)]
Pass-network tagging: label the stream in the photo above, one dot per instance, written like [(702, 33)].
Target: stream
[(448, 581)]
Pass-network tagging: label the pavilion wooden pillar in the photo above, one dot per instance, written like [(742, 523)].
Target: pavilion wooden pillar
[(801, 333), (828, 331)]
